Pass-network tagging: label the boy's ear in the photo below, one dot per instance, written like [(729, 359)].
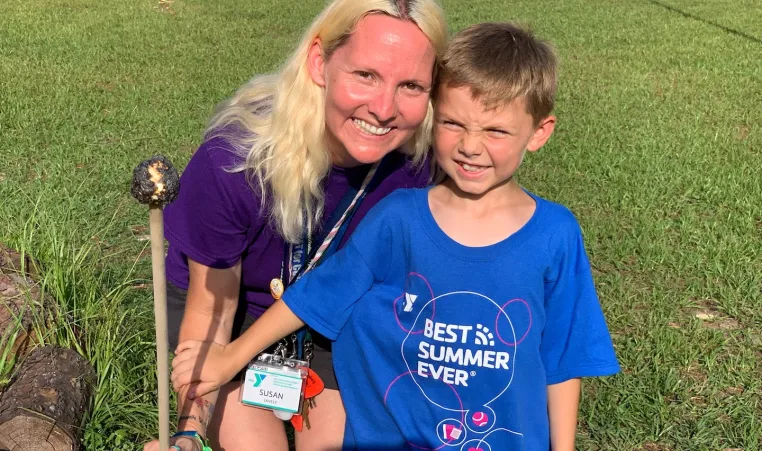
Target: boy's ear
[(316, 62), (542, 133)]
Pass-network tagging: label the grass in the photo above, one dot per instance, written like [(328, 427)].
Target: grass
[(93, 315), (658, 151)]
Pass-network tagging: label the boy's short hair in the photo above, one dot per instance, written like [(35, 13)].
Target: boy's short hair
[(501, 62)]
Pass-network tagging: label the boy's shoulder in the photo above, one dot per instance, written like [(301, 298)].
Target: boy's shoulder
[(401, 199), (555, 216), (394, 208)]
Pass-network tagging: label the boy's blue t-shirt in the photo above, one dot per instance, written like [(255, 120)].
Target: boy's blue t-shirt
[(443, 346)]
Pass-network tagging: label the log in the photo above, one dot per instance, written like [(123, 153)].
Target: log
[(11, 260), (20, 302), (44, 406)]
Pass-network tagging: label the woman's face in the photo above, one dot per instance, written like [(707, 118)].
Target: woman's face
[(377, 87)]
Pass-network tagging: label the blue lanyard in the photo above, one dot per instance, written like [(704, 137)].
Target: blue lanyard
[(297, 255)]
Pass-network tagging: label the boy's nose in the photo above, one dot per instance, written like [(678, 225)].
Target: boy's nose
[(470, 145)]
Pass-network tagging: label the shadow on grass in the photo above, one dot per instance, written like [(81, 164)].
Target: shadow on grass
[(708, 22)]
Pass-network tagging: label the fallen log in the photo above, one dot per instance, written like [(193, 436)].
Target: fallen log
[(14, 261), (21, 302), (44, 406)]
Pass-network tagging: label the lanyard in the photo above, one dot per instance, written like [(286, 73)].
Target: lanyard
[(297, 255)]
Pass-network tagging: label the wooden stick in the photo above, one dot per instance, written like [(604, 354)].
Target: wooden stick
[(156, 224)]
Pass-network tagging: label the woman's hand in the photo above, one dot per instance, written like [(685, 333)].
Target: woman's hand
[(204, 366), (183, 443)]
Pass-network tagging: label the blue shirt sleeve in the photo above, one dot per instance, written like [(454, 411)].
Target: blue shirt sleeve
[(576, 341), (324, 298)]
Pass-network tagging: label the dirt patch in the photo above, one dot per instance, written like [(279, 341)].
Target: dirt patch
[(698, 401), (743, 132), (731, 391), (708, 312), (694, 373), (105, 86), (653, 446), (165, 6), (33, 175)]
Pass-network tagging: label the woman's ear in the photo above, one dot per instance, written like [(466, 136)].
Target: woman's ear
[(316, 62)]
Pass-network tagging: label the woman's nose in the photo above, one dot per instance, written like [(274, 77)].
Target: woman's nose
[(383, 105)]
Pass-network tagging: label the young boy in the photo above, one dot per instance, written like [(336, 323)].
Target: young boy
[(468, 308)]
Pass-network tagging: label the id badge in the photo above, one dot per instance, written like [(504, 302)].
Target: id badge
[(275, 383)]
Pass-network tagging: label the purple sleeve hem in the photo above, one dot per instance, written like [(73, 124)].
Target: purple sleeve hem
[(198, 256), (183, 285)]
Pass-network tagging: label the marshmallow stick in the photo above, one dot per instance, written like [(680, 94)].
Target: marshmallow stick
[(155, 182)]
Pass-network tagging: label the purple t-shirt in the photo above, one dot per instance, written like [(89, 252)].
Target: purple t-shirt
[(217, 218)]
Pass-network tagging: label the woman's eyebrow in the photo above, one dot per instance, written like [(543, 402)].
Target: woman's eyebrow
[(362, 67), (351, 67), (417, 80)]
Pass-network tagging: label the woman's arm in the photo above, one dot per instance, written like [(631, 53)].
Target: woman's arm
[(207, 366), (209, 312), (563, 404)]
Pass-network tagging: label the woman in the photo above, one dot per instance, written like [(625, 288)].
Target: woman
[(280, 161)]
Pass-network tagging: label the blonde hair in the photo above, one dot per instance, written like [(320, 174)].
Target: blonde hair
[(501, 62), (277, 123)]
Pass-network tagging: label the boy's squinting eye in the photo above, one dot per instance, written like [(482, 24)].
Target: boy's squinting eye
[(451, 124), (496, 133), (364, 74)]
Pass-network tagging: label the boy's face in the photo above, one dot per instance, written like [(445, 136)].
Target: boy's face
[(480, 150)]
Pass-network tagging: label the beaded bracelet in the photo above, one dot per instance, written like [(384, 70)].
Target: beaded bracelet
[(194, 434)]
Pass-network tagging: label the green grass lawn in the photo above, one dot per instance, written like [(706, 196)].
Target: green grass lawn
[(658, 151)]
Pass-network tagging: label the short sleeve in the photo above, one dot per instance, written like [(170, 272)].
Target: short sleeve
[(325, 297), (576, 341), (210, 220)]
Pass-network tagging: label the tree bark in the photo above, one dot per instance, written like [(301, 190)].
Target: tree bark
[(14, 261), (44, 406), (20, 302)]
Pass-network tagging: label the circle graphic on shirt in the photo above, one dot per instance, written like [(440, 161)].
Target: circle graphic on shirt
[(459, 347), (520, 322), (451, 432), (417, 293), (476, 445), (482, 420), (397, 399)]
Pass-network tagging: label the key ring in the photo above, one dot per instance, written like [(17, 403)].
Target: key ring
[(281, 349)]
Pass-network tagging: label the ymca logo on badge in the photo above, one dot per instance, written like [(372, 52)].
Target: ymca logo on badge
[(258, 378)]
